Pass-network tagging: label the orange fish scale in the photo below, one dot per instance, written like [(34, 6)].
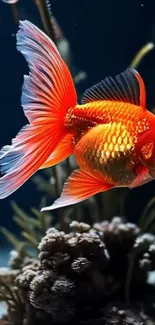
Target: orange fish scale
[(85, 116), (111, 153)]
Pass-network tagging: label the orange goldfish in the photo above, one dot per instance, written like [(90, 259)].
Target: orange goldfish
[(111, 133)]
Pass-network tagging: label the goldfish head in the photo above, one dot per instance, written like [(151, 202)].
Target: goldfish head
[(145, 149)]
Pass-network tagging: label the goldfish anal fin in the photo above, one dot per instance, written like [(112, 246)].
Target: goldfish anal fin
[(127, 87), (142, 176), (63, 150), (78, 187)]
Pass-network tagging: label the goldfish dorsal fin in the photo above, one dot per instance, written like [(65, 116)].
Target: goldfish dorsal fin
[(127, 87)]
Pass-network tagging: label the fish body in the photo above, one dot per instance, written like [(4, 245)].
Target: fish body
[(105, 135), (110, 152), (111, 132)]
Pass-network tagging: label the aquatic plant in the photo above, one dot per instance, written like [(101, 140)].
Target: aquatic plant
[(147, 219), (32, 227), (141, 54), (46, 15), (10, 294)]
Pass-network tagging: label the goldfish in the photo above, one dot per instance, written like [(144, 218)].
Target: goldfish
[(111, 133)]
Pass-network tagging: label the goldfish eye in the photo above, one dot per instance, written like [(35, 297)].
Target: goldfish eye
[(147, 150)]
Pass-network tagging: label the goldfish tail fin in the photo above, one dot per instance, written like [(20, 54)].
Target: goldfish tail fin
[(47, 94)]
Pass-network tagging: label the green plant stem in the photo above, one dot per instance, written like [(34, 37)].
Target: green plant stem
[(132, 259), (45, 15), (141, 54)]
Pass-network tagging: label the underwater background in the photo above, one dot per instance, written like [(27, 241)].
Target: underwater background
[(104, 37), (106, 251)]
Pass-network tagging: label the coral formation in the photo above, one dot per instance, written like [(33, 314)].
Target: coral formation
[(131, 252), (78, 274), (68, 280)]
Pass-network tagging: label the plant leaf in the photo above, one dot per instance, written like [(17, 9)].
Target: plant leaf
[(32, 240), (45, 219), (11, 237), (148, 216)]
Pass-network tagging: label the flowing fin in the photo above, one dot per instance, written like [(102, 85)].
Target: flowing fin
[(48, 91), (78, 187), (47, 94), (24, 157), (64, 150), (126, 87), (10, 2), (142, 176)]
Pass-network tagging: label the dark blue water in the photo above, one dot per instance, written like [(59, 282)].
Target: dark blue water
[(104, 37)]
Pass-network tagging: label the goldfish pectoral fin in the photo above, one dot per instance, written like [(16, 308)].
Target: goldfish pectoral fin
[(142, 177), (78, 187), (63, 150), (128, 87)]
